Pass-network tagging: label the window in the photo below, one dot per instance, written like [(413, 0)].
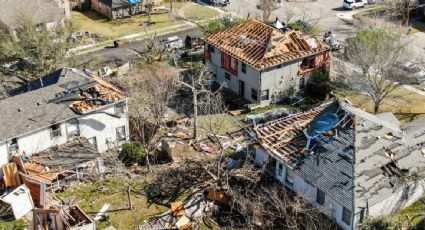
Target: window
[(265, 95), (93, 141), (280, 170), (243, 67), (13, 146), (214, 75), (320, 197), (55, 131), (72, 128), (289, 178), (120, 108), (346, 216), (254, 94), (229, 63), (227, 76), (121, 136), (210, 48)]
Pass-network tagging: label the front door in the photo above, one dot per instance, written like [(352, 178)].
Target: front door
[(241, 88)]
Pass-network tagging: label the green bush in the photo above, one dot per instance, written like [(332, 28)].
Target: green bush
[(132, 152)]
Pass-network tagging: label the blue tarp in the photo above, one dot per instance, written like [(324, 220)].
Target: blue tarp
[(133, 1)]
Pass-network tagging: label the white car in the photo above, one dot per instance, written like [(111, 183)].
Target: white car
[(354, 4)]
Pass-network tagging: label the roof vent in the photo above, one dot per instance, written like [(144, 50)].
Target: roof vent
[(39, 103), (19, 110)]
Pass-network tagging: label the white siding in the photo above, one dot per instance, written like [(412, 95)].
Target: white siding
[(98, 124), (331, 207), (278, 80)]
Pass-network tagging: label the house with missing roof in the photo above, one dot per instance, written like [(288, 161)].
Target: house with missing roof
[(262, 63), (347, 163), (42, 13), (58, 108), (115, 9)]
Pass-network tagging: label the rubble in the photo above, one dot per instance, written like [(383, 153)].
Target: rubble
[(19, 200), (62, 218)]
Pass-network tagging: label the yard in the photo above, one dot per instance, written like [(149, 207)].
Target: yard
[(406, 105), (96, 23), (92, 196), (198, 12)]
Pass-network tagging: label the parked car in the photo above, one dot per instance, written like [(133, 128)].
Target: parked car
[(217, 2), (171, 43), (354, 4)]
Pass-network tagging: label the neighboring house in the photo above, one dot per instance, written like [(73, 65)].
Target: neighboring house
[(54, 109), (46, 13), (115, 9), (348, 163), (262, 63)]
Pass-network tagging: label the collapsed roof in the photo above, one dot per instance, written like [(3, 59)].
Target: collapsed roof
[(57, 97), (354, 156), (263, 46)]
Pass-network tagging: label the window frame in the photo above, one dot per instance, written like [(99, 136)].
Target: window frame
[(94, 143), (210, 48), (346, 212), (289, 176), (77, 124), (119, 137), (227, 75), (55, 132), (119, 108), (13, 144), (243, 67), (268, 95), (320, 197), (280, 170), (254, 92)]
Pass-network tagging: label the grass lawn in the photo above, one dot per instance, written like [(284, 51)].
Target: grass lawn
[(219, 123), (96, 23), (90, 198), (198, 12), (406, 105), (415, 209)]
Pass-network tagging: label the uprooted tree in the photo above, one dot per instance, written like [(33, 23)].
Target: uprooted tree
[(377, 55)]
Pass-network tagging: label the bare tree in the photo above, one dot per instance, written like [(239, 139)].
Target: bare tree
[(150, 89), (267, 7), (377, 55), (149, 6), (198, 82), (153, 51), (400, 9)]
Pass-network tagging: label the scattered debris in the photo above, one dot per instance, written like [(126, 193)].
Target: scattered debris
[(20, 201), (63, 218), (102, 212)]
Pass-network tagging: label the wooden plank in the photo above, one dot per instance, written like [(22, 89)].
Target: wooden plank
[(10, 175)]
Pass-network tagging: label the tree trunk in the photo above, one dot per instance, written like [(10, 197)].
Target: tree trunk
[(149, 17), (376, 107), (171, 6), (195, 114)]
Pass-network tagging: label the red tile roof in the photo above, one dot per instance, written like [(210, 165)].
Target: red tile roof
[(262, 46)]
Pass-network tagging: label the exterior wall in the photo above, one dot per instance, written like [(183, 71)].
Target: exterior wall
[(261, 156), (101, 8), (127, 11), (280, 78), (99, 125), (331, 208), (251, 78)]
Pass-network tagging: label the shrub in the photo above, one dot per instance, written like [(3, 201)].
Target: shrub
[(132, 152), (380, 223)]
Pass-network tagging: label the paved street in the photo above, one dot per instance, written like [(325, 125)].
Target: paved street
[(125, 53)]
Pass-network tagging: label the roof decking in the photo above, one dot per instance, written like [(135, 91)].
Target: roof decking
[(263, 46)]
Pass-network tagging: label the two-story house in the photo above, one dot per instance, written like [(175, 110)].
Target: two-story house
[(348, 163), (263, 63), (55, 108)]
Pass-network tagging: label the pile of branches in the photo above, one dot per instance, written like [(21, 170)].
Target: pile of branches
[(254, 202)]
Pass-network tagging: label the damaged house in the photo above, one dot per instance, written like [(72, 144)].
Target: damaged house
[(59, 108), (348, 163), (262, 63), (115, 9)]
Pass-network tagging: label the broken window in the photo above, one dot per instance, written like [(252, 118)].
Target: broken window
[(265, 95), (320, 197), (229, 63), (55, 131), (280, 170), (120, 108), (254, 94), (243, 67), (72, 128), (289, 178), (227, 76), (13, 146), (121, 136), (93, 141), (210, 48), (346, 216)]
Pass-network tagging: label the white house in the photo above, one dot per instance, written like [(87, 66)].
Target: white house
[(53, 109), (260, 62), (348, 163)]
